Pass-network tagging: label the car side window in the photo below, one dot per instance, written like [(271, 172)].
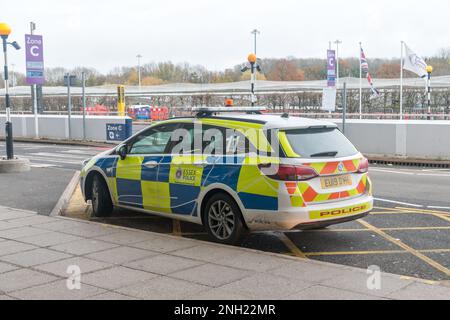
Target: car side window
[(153, 141), (231, 142)]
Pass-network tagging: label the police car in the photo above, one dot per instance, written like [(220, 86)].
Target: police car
[(234, 170)]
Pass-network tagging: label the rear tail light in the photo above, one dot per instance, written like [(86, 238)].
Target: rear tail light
[(363, 166), (288, 172)]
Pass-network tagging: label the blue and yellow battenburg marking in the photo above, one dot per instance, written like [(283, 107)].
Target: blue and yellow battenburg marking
[(175, 184)]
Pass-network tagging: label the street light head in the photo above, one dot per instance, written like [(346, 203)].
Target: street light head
[(251, 58), (15, 45), (429, 69), (244, 69), (5, 30)]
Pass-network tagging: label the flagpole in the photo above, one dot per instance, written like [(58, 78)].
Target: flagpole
[(360, 82), (401, 82)]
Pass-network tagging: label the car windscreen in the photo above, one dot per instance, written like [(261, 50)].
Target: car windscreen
[(320, 143)]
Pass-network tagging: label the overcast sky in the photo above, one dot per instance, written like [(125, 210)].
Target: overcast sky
[(216, 33)]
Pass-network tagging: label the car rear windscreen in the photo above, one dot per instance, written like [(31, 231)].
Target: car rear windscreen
[(320, 143)]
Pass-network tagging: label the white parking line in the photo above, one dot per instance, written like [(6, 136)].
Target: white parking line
[(59, 155), (43, 165), (398, 202), (442, 208), (414, 173), (392, 171)]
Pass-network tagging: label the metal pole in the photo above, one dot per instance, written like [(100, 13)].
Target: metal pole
[(429, 96), (13, 75), (360, 82), (8, 125), (34, 89), (253, 83), (69, 106), (338, 42), (83, 80), (139, 69), (255, 32), (344, 107), (401, 82)]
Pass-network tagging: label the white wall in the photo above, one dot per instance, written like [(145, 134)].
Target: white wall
[(57, 127), (413, 139)]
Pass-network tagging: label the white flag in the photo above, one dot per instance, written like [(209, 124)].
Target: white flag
[(414, 63)]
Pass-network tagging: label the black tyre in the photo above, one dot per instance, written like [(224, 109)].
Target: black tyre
[(101, 200), (223, 220)]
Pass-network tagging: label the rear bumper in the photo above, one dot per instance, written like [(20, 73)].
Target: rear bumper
[(310, 217)]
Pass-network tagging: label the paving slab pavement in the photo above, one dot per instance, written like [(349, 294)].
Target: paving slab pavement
[(61, 258)]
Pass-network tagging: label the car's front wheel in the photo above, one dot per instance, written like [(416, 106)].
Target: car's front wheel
[(223, 220), (101, 201)]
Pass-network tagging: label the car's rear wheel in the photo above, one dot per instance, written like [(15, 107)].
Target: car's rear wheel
[(101, 200), (223, 220)]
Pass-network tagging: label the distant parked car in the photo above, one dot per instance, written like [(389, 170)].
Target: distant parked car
[(147, 112), (97, 110)]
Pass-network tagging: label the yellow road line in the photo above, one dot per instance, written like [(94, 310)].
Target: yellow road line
[(290, 245), (415, 228), (342, 253), (383, 229), (332, 230), (404, 246), (435, 251), (389, 209), (385, 212), (371, 252), (187, 234), (440, 214), (176, 227)]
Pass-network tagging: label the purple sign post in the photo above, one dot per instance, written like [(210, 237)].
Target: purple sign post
[(331, 68), (34, 59)]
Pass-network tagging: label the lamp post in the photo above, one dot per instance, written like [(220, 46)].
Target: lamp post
[(5, 31), (337, 42), (252, 60), (139, 69), (254, 66), (13, 75), (255, 32), (429, 71)]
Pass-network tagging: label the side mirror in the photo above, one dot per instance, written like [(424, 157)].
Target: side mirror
[(122, 152)]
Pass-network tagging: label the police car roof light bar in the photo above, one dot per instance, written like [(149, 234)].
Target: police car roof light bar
[(208, 111)]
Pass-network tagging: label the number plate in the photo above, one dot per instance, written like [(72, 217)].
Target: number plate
[(336, 182)]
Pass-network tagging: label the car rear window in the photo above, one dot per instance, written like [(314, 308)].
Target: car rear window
[(320, 143)]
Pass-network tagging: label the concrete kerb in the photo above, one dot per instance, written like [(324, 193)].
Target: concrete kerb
[(14, 166), (64, 200)]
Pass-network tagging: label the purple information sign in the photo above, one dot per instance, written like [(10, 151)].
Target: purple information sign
[(331, 68), (35, 59)]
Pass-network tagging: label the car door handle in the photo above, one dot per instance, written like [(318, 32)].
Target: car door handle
[(151, 164)]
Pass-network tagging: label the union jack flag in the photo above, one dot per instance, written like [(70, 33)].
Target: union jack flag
[(375, 92), (364, 64)]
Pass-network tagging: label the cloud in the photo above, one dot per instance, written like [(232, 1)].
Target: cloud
[(105, 34)]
